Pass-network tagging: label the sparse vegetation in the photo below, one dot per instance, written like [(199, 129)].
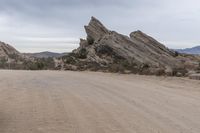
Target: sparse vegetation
[(69, 59), (82, 53), (179, 72), (37, 64), (103, 49), (176, 54)]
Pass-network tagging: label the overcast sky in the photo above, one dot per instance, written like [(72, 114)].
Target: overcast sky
[(57, 25)]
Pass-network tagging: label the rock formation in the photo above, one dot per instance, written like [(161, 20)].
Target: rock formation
[(7, 51), (110, 51), (10, 58)]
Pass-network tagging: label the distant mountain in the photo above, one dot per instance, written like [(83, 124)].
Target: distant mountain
[(45, 54), (194, 50)]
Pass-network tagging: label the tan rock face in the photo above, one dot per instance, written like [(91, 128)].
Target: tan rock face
[(95, 30), (139, 46), (139, 36), (10, 58), (138, 52), (7, 50)]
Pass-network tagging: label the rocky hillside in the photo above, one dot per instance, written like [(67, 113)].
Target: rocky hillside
[(7, 51), (10, 58), (108, 50)]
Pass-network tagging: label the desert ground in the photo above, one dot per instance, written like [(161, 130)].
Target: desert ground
[(93, 102)]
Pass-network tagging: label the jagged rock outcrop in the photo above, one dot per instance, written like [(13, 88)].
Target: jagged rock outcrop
[(96, 30), (10, 58), (110, 51), (107, 50), (7, 51)]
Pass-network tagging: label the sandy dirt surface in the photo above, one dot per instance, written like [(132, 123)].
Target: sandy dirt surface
[(86, 102)]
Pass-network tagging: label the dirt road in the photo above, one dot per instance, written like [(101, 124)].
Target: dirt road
[(85, 102)]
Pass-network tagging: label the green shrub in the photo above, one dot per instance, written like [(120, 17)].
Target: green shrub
[(68, 59), (176, 54), (176, 71), (82, 53), (104, 49)]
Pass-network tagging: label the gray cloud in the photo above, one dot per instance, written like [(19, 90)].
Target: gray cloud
[(29, 24)]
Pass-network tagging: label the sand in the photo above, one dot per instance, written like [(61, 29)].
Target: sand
[(88, 102)]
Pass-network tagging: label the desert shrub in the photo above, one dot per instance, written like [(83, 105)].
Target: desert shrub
[(145, 66), (45, 63), (71, 54), (114, 68), (14, 56), (93, 66), (117, 57), (104, 49), (32, 66), (160, 72), (176, 54), (69, 59), (38, 64), (124, 66), (177, 71), (127, 65), (49, 63), (29, 65), (82, 54)]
